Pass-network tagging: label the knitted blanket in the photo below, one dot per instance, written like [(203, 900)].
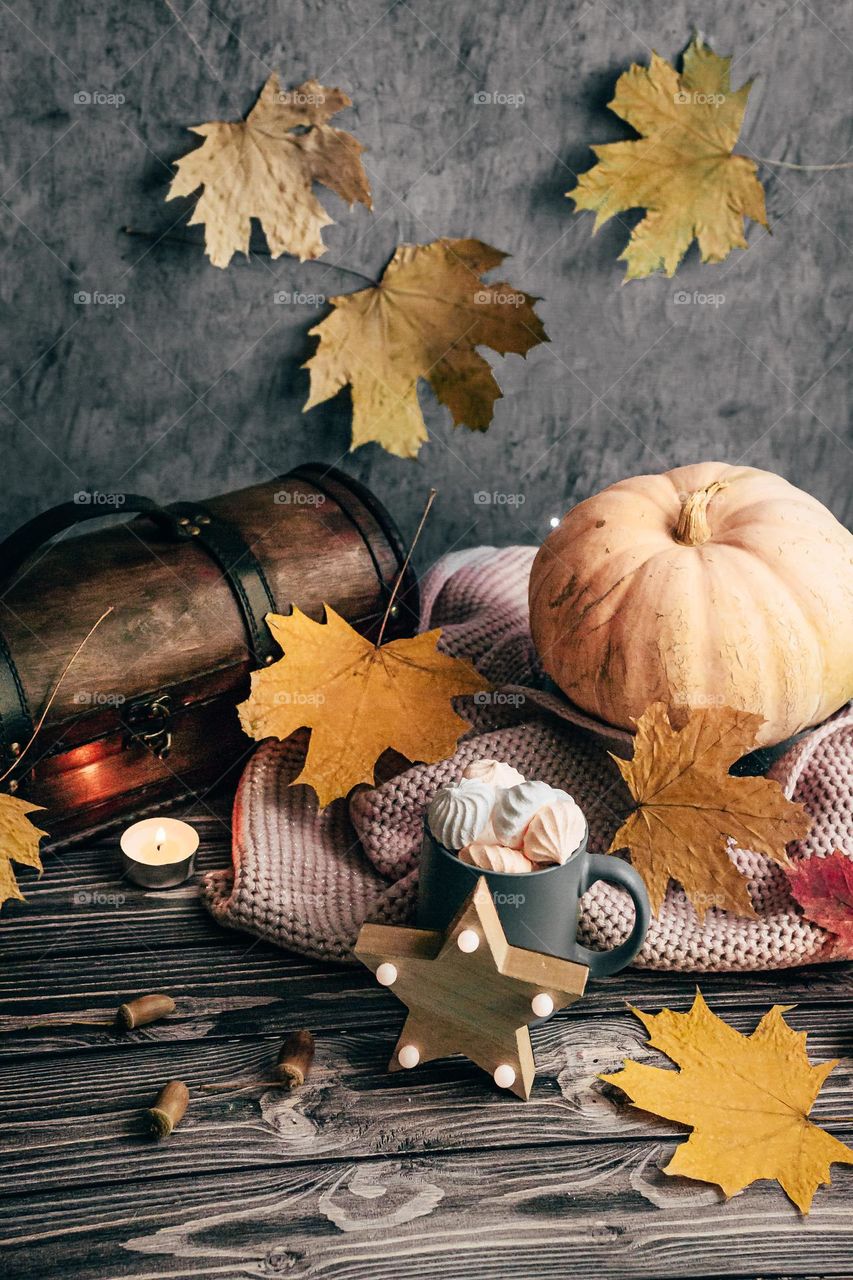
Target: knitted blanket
[(308, 879)]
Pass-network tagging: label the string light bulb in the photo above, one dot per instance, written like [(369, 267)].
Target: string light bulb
[(386, 974), (504, 1076), (408, 1056), (468, 941), (554, 521), (542, 1005)]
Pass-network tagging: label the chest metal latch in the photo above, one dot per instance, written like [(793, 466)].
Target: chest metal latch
[(148, 721)]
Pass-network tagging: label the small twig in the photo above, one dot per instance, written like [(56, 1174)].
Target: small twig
[(75, 655), (805, 168), (831, 1119), (261, 249), (430, 500), (70, 1022), (239, 1086)]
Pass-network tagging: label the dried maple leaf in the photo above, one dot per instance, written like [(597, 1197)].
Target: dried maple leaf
[(425, 319), (689, 806), (357, 699), (19, 842), (746, 1098), (263, 168), (682, 170), (824, 889)]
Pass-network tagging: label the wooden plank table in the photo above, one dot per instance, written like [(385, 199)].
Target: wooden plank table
[(360, 1174)]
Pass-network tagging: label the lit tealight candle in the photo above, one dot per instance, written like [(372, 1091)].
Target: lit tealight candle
[(468, 941), (542, 1005), (504, 1076), (159, 852), (408, 1056), (386, 974)]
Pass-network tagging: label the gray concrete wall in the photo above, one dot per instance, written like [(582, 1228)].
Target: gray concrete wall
[(193, 386)]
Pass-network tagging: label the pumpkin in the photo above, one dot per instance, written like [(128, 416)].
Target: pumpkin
[(707, 585)]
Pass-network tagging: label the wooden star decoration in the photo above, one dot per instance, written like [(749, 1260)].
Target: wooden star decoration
[(469, 991)]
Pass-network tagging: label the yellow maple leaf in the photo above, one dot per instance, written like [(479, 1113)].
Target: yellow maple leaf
[(682, 170), (19, 842), (357, 699), (425, 319), (690, 806), (746, 1098), (261, 167)]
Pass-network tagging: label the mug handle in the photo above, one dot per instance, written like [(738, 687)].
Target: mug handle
[(614, 871)]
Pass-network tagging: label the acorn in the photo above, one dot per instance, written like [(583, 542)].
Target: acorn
[(295, 1059), (168, 1110), (143, 1010)]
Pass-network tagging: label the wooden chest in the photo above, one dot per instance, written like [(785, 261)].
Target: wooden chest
[(147, 712)]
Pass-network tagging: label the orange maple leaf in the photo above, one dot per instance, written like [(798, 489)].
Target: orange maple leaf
[(690, 806), (746, 1098), (358, 699)]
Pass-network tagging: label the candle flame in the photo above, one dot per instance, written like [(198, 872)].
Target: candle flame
[(160, 838)]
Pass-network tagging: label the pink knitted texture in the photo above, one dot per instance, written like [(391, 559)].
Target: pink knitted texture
[(308, 879)]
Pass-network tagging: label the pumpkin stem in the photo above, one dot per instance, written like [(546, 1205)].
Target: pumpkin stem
[(693, 528)]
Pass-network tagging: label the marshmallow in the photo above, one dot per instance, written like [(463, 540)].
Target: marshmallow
[(495, 857), (516, 806), (495, 772), (459, 814), (556, 831)]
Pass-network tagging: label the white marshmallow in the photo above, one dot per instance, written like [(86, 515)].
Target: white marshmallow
[(555, 832), (459, 814), (495, 772), (495, 857), (516, 806)]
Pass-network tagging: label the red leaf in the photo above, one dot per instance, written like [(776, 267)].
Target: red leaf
[(824, 889)]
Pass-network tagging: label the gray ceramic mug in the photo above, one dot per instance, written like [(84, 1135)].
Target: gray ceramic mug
[(538, 909)]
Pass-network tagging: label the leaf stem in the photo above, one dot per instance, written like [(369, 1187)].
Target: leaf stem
[(69, 664), (805, 168), (262, 249), (430, 500)]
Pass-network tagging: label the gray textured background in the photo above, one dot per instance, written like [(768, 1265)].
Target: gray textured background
[(193, 386)]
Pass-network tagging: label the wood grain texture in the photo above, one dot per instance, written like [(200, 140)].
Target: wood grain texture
[(604, 1210), (360, 1174), (86, 1120)]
